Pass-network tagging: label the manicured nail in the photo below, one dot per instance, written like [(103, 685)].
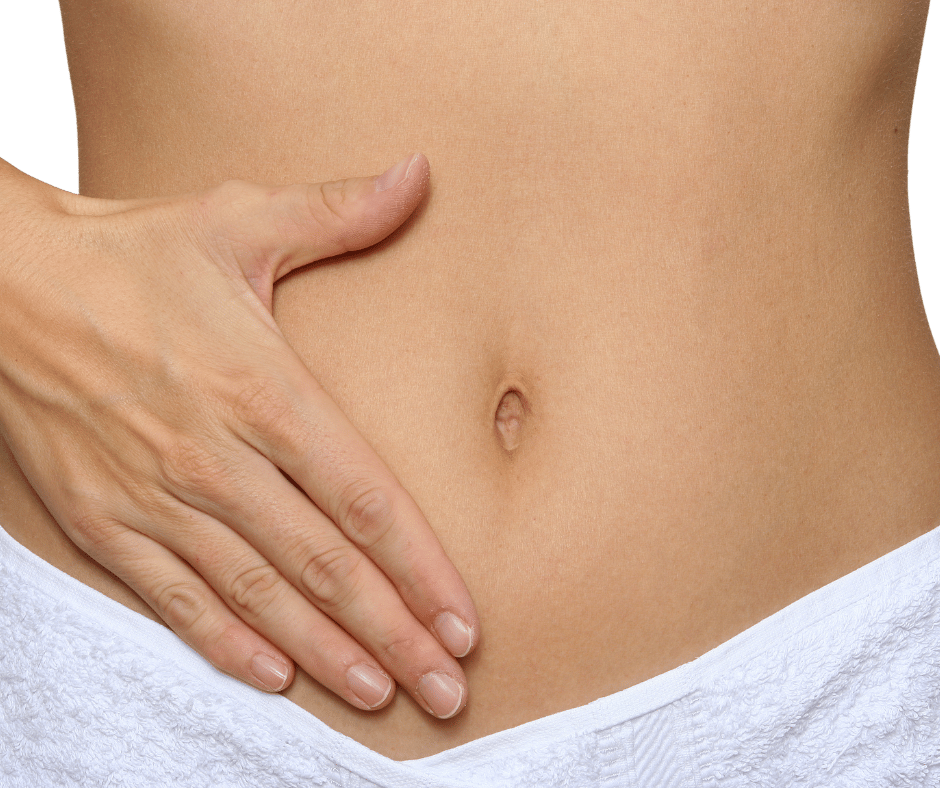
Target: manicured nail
[(442, 694), (371, 686), (454, 633), (269, 672), (395, 175)]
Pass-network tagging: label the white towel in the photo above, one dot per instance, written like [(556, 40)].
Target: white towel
[(841, 688)]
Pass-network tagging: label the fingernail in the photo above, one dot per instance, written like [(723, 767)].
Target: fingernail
[(394, 175), (454, 633), (442, 694), (270, 672), (371, 686)]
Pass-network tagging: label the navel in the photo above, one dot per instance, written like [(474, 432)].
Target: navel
[(510, 419)]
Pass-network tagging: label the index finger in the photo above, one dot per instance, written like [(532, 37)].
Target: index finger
[(305, 434)]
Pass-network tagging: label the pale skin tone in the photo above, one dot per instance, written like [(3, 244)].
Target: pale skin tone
[(649, 356)]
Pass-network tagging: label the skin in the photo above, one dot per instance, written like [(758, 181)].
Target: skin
[(650, 356), (155, 435)]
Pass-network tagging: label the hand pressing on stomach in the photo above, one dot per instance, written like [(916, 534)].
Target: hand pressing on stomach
[(153, 404)]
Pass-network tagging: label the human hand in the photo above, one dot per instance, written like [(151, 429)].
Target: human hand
[(153, 404)]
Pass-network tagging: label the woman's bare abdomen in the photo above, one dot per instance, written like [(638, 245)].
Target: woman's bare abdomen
[(630, 357)]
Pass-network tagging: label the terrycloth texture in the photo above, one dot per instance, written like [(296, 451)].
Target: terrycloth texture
[(842, 688)]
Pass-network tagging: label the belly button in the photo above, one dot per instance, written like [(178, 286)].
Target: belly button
[(510, 416)]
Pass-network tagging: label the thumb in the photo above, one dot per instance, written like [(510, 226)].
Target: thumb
[(269, 231)]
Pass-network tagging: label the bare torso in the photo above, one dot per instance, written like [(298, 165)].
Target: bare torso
[(670, 237)]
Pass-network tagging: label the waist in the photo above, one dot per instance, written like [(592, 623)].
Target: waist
[(625, 475), (687, 279), (630, 456)]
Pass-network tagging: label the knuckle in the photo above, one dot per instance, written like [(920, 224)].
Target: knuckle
[(333, 577), (191, 466), (332, 197), (368, 515), (182, 605), (326, 207), (401, 645), (91, 529), (266, 405), (253, 589)]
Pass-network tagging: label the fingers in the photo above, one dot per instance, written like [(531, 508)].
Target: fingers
[(297, 426), (306, 435), (269, 231), (193, 610), (313, 556), (253, 596)]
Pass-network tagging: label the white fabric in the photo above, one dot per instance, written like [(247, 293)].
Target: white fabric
[(841, 688)]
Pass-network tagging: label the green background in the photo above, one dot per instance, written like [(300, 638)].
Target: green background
[(37, 130)]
